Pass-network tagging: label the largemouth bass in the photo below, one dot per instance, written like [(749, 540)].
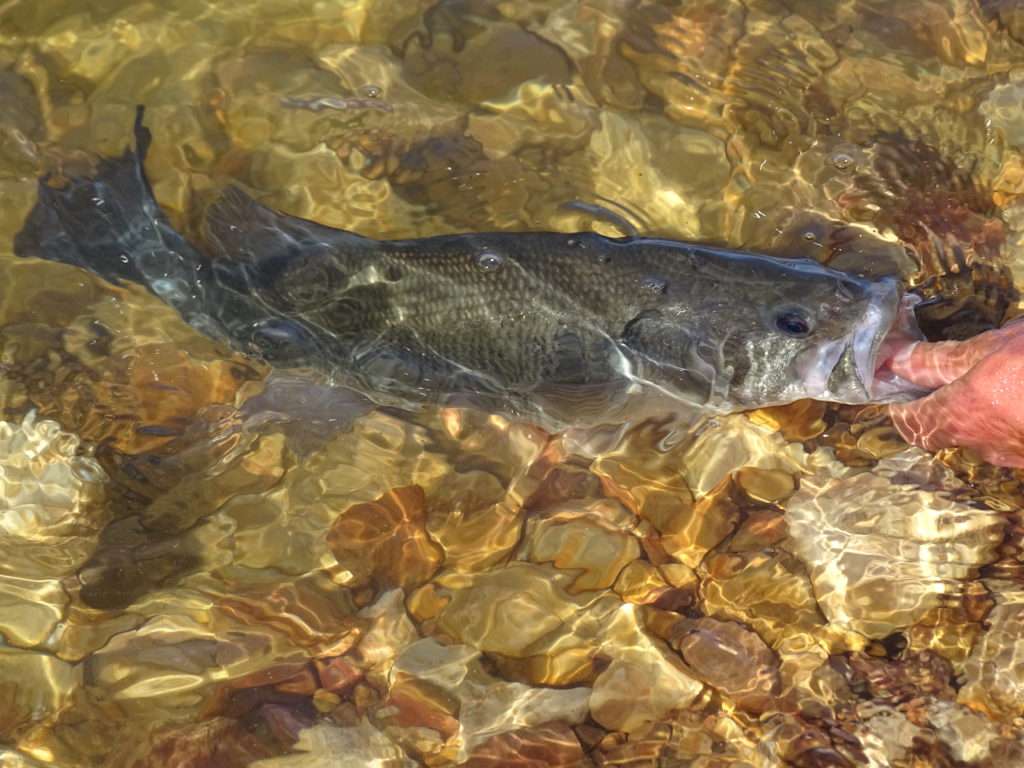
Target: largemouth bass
[(559, 327)]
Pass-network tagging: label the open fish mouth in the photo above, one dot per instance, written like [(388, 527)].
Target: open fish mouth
[(855, 369), (890, 325)]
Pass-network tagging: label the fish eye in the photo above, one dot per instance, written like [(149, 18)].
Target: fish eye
[(793, 322)]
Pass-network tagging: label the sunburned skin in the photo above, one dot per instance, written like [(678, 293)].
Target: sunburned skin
[(978, 401)]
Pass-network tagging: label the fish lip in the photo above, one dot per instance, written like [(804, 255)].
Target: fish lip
[(889, 324)]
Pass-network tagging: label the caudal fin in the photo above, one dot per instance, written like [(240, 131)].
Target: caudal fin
[(111, 224)]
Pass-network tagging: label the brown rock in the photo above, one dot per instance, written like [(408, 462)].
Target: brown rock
[(554, 745), (768, 486), (217, 743), (578, 540), (337, 675), (304, 683), (385, 542), (770, 591), (898, 681), (730, 658), (421, 704)]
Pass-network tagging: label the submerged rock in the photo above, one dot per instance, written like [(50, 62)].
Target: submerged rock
[(468, 704), (644, 681), (882, 551), (994, 672), (52, 495), (330, 746)]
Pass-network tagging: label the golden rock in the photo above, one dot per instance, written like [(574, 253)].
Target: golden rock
[(644, 681), (650, 482), (761, 529), (971, 736), (880, 442), (426, 603), (247, 466), (885, 732), (647, 480), (581, 541), (949, 631), (325, 701), (36, 687), (640, 582), (769, 486), (51, 514), (390, 632), (797, 422), (768, 590), (385, 542), (520, 609), (731, 444), (690, 533), (678, 575), (882, 553), (577, 664), (809, 683), (484, 707), (994, 673), (49, 489), (329, 746)]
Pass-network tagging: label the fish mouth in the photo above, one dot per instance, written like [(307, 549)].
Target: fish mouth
[(855, 369), (889, 326)]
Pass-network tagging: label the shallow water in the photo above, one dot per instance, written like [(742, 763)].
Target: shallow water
[(204, 566)]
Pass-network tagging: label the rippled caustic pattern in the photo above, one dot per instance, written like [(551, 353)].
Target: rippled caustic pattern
[(205, 564)]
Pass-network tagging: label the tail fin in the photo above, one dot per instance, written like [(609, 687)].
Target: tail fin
[(112, 225)]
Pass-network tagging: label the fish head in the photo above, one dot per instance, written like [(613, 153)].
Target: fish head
[(763, 332), (819, 334)]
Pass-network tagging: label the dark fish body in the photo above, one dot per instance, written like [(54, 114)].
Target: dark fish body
[(539, 324)]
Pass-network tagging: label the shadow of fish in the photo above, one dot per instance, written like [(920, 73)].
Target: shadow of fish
[(561, 328)]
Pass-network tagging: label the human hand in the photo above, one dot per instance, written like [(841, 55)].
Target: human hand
[(978, 401)]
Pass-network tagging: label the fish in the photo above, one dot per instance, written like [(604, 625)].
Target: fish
[(561, 328)]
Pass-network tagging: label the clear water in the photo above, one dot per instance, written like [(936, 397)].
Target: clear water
[(196, 571)]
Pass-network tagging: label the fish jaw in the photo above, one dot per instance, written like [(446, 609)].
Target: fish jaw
[(855, 369), (889, 327)]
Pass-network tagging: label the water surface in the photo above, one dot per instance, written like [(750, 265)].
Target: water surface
[(204, 565)]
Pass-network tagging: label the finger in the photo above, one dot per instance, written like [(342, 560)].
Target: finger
[(925, 422), (930, 365), (1002, 458), (933, 365), (983, 411)]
